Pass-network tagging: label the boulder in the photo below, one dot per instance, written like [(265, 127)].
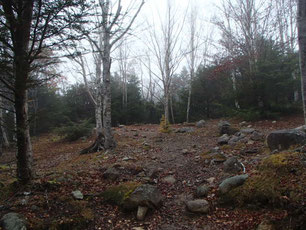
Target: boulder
[(200, 124), (13, 221), (283, 139), (223, 140), (202, 191), (198, 206), (236, 138), (111, 174), (231, 183), (145, 196), (232, 165)]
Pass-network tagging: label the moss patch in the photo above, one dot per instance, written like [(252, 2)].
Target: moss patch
[(280, 180), (117, 194)]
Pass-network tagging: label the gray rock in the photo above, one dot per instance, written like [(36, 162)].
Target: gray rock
[(225, 128), (141, 212), (198, 206), (301, 128), (185, 151), (202, 191), (283, 139), (231, 183), (235, 139), (257, 136), (247, 131), (232, 165), (223, 140), (200, 124), (169, 179), (13, 221), (185, 130), (146, 196), (78, 195), (111, 174)]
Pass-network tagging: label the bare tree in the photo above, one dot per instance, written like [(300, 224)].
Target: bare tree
[(112, 24), (301, 21), (165, 46)]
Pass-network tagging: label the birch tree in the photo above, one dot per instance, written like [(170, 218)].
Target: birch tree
[(301, 22), (112, 23)]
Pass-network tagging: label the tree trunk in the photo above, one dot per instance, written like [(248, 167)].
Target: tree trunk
[(301, 21), (24, 147), (4, 140), (188, 104), (107, 110), (167, 106)]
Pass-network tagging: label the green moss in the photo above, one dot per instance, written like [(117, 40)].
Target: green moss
[(280, 180), (4, 167), (117, 194)]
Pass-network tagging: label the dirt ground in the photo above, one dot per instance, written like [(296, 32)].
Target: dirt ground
[(142, 150)]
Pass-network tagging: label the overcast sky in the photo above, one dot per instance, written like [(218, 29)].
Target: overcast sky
[(152, 12)]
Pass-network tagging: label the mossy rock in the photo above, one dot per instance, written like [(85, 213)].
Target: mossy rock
[(117, 194), (280, 180)]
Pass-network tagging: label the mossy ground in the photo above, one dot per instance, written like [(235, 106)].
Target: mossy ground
[(279, 180)]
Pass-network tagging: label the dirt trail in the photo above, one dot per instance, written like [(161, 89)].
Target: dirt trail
[(178, 155)]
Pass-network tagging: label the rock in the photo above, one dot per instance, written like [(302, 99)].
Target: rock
[(185, 130), (243, 123), (273, 122), (301, 128), (146, 196), (198, 206), (169, 179), (141, 212), (283, 139), (138, 228), (223, 140), (232, 165), (247, 131), (111, 174), (200, 124), (225, 128), (13, 221), (231, 183), (202, 191), (185, 151), (78, 195), (235, 139), (215, 150), (265, 225), (257, 136), (211, 180)]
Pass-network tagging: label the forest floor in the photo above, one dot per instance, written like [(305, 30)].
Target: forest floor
[(141, 149)]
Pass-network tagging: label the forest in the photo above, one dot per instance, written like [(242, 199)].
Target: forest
[(153, 115)]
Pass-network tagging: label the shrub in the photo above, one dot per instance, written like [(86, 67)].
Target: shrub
[(164, 125), (75, 131)]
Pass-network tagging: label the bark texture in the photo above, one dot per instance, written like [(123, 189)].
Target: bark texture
[(301, 20)]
